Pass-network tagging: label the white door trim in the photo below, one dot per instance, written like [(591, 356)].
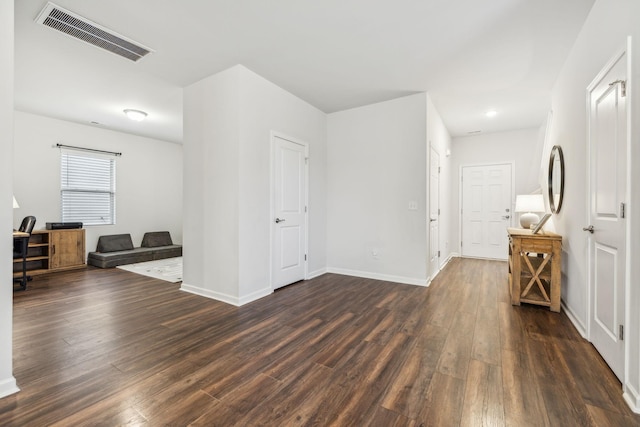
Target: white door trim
[(275, 134), (513, 197), (626, 50), (432, 274)]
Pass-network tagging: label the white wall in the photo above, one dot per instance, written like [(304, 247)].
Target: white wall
[(211, 179), (265, 107), (376, 165), (603, 34), (228, 122), (7, 381), (520, 148), (439, 138), (148, 177)]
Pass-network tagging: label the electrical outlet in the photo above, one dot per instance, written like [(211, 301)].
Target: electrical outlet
[(413, 205)]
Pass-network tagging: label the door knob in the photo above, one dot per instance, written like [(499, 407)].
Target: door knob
[(278, 220), (432, 219), (506, 217), (589, 229)]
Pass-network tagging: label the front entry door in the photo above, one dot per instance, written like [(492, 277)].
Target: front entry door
[(486, 211), (434, 213), (607, 193), (289, 213)]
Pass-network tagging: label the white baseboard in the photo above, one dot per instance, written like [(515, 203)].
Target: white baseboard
[(317, 273), (447, 261), (632, 397), (229, 299), (8, 386), (582, 330), (378, 276), (443, 264)]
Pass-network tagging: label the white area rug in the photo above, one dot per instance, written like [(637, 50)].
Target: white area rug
[(169, 269)]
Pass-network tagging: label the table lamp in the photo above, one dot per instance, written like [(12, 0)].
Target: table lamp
[(528, 205)]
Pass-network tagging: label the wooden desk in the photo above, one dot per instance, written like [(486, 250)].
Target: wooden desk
[(535, 262), (53, 250)]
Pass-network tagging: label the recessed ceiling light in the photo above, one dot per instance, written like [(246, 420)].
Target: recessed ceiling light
[(135, 115), (491, 113), (474, 131)]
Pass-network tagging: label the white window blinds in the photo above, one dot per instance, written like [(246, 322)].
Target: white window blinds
[(88, 188)]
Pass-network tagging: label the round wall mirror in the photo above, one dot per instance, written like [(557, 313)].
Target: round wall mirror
[(556, 178)]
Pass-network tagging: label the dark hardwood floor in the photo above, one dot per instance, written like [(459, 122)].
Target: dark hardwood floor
[(108, 347)]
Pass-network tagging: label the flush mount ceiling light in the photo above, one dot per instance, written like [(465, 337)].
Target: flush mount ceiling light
[(491, 113), (135, 115)]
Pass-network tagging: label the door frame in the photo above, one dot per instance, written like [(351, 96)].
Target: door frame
[(432, 274), (626, 50), (273, 135), (460, 198)]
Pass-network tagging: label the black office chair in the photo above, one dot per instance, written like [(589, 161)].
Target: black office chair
[(27, 224), (21, 247)]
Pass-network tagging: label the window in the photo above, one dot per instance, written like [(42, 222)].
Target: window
[(88, 188)]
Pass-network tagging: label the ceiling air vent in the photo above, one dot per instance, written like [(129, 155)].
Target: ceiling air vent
[(89, 32)]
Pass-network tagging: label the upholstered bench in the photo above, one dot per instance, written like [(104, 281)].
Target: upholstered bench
[(118, 249)]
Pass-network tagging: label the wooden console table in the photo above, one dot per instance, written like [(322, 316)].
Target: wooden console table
[(535, 268)]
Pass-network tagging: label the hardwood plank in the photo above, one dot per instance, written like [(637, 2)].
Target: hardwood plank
[(406, 393), (325, 338), (258, 356), (109, 347), (63, 398), (523, 401), (184, 410), (456, 353), (443, 402), (380, 416), (562, 399), (596, 390), (512, 335), (216, 415), (345, 343), (486, 337), (487, 287), (256, 389), (98, 415), (483, 398), (416, 320), (603, 418), (290, 400), (376, 370)]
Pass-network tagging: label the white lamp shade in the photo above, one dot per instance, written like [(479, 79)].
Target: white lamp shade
[(15, 203), (529, 203)]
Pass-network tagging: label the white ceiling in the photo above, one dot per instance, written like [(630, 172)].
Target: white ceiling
[(471, 56)]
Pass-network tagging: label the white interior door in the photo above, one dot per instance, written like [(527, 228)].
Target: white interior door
[(607, 197), (486, 211), (289, 213), (434, 213)]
